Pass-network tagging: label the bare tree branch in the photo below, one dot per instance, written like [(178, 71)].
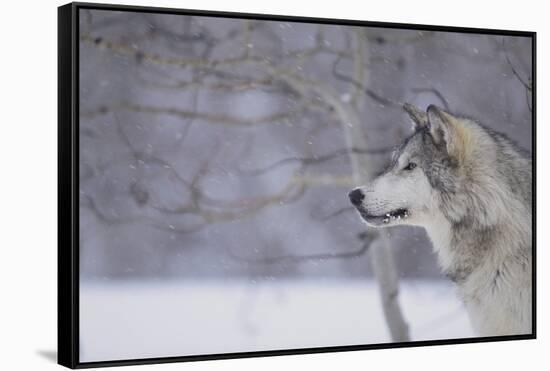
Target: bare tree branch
[(306, 161), (142, 56), (213, 118), (526, 85), (292, 258)]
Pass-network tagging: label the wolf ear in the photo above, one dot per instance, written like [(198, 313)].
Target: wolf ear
[(448, 130), (418, 117)]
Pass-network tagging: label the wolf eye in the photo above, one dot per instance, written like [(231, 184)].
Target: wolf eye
[(410, 166)]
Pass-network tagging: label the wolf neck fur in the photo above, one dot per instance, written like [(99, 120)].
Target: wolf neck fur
[(443, 240), (460, 247)]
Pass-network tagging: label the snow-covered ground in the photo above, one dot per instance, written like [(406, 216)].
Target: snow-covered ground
[(136, 320)]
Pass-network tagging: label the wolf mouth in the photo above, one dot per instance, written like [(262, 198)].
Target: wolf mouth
[(397, 214)]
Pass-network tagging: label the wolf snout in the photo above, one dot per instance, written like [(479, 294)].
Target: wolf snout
[(356, 197)]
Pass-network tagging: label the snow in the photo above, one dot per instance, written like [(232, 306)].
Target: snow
[(136, 320)]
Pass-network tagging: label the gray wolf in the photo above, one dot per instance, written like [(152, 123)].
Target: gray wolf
[(470, 188)]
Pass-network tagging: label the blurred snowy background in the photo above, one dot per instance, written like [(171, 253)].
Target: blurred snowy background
[(215, 160)]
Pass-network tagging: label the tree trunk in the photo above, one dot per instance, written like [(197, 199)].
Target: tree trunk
[(381, 257), (363, 171)]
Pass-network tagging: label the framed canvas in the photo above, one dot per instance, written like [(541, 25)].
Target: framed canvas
[(239, 185)]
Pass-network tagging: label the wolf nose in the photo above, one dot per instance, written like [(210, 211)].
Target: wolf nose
[(356, 197)]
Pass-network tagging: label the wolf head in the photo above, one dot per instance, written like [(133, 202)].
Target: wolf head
[(436, 172)]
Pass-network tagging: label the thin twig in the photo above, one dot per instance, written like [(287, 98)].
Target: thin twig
[(367, 91), (331, 215)]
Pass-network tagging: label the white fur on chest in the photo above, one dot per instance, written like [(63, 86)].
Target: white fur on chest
[(501, 306), (497, 294)]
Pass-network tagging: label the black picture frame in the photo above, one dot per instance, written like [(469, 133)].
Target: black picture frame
[(68, 184)]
